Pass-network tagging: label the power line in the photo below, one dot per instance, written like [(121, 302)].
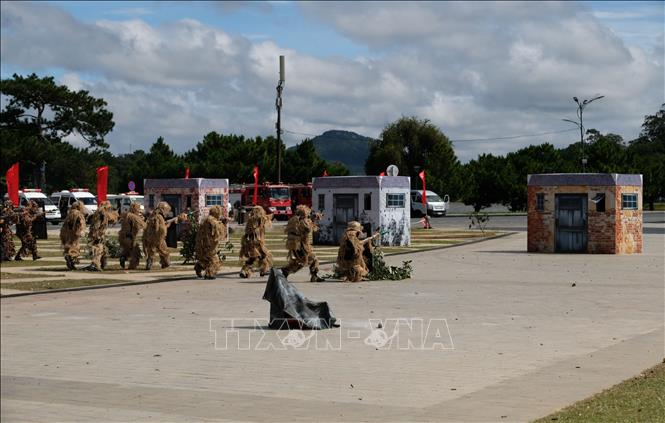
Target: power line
[(512, 137), (515, 136)]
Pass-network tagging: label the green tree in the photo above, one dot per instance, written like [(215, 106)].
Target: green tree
[(542, 158), (485, 182), (606, 153), (647, 156), (37, 107), (414, 145)]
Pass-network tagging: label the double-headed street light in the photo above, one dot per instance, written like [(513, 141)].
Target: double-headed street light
[(580, 110)]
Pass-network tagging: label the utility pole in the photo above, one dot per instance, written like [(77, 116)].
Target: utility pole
[(580, 110), (278, 125)]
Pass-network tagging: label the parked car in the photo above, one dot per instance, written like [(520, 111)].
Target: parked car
[(435, 205), (51, 212), (65, 198), (121, 202)]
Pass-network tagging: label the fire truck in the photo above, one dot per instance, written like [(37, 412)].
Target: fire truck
[(274, 198)]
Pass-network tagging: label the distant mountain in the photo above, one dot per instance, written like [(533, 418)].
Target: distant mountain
[(343, 146)]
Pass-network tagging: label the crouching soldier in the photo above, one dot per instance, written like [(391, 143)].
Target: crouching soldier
[(298, 244), (132, 223), (252, 244), (72, 229), (353, 255), (24, 231), (99, 222), (211, 232)]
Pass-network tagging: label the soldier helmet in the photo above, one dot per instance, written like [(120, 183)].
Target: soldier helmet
[(303, 211), (33, 205), (135, 208), (215, 211), (78, 206), (163, 207), (354, 226), (104, 206)]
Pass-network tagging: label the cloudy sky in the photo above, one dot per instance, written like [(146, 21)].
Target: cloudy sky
[(479, 71)]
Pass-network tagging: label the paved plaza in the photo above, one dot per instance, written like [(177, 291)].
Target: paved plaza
[(525, 334)]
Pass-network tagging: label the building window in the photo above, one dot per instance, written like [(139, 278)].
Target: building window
[(322, 202), (629, 201), (540, 202), (368, 201), (214, 200), (189, 201), (395, 201), (151, 201), (599, 200)]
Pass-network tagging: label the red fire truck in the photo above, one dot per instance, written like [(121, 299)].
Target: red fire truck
[(274, 198)]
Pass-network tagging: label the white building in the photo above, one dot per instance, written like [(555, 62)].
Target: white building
[(374, 201)]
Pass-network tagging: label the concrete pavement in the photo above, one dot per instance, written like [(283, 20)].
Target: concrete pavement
[(526, 342)]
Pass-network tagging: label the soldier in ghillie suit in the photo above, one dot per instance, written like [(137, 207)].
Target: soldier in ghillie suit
[(132, 223), (72, 229), (354, 256), (154, 235), (99, 222), (300, 252), (24, 230), (211, 232), (7, 218), (252, 244)]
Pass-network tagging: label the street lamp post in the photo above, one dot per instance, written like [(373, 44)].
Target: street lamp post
[(580, 110)]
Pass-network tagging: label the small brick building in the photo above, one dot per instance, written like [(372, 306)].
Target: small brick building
[(584, 213), (197, 194)]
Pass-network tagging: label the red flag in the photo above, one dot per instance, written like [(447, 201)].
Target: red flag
[(187, 173), (102, 182), (325, 172), (382, 174), (12, 183), (256, 183), (424, 199)]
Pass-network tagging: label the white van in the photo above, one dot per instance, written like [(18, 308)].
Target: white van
[(51, 212), (435, 205), (65, 198), (121, 202)]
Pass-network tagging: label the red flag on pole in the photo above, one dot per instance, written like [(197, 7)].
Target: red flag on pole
[(325, 172), (102, 182), (382, 174), (12, 183), (256, 183), (187, 173), (424, 199)]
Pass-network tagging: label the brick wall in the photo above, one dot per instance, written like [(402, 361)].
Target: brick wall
[(629, 223)]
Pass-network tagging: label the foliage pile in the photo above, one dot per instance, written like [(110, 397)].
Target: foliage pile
[(381, 271)]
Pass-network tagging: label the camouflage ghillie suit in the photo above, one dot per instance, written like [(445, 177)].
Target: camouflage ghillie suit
[(211, 232), (300, 252), (354, 256), (252, 244), (128, 237), (24, 231), (99, 222), (154, 236), (7, 218), (72, 229)]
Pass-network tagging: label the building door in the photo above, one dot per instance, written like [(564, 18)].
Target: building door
[(346, 210), (571, 223), (173, 230)]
